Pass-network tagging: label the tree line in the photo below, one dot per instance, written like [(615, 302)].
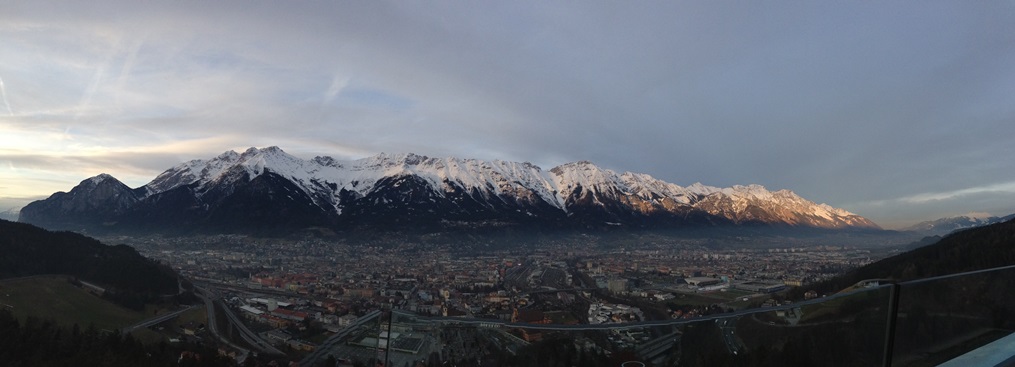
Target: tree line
[(41, 343), (129, 278)]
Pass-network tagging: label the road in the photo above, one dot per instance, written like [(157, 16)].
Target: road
[(330, 342), (571, 327), (271, 291), (156, 320), (555, 290), (248, 336), (213, 326), (657, 349), (726, 328)]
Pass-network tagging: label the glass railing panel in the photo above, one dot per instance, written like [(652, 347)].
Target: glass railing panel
[(945, 317), (840, 330), (843, 330), (938, 320)]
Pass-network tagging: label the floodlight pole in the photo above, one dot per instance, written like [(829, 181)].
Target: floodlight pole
[(893, 317), (387, 347)]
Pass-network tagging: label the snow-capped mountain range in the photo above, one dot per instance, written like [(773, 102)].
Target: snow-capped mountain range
[(268, 188), (951, 224)]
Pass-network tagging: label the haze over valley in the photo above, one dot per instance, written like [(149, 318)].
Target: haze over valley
[(525, 183)]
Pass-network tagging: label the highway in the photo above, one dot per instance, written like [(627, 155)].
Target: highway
[(657, 349), (558, 290), (221, 285), (213, 326), (156, 320), (726, 328), (248, 336), (558, 327), (611, 326), (330, 342)]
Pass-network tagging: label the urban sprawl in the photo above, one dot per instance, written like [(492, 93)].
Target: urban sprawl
[(301, 295)]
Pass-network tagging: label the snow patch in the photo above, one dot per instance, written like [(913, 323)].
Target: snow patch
[(323, 178)]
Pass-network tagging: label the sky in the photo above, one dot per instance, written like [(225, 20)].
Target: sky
[(899, 111)]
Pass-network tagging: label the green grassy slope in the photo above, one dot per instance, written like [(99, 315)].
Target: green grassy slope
[(54, 298)]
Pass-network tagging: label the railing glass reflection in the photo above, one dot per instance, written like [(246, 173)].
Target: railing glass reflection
[(945, 317), (938, 319)]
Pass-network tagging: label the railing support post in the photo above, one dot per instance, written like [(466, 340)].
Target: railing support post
[(391, 317), (893, 313)]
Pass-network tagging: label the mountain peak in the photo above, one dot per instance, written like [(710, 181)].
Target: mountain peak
[(100, 178), (260, 183), (95, 199), (227, 155), (253, 151), (411, 159), (326, 161), (250, 151), (578, 166)]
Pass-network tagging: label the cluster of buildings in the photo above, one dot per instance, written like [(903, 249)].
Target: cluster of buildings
[(290, 285), (791, 265), (605, 313)]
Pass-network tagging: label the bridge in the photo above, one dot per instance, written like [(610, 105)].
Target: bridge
[(156, 320)]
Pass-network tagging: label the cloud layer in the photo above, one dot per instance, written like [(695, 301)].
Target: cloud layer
[(900, 112)]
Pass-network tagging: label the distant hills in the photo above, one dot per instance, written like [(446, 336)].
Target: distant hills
[(10, 214), (951, 224), (269, 191)]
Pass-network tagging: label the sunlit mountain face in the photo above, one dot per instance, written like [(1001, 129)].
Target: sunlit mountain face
[(268, 188)]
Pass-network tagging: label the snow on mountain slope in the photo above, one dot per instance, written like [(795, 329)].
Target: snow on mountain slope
[(325, 176), (949, 224), (564, 187)]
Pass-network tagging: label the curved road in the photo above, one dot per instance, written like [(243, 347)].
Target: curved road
[(213, 326), (248, 336)]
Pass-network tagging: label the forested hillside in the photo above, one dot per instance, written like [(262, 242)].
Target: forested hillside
[(129, 278), (972, 249), (38, 342)]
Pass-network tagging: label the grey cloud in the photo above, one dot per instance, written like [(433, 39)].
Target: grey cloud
[(842, 103)]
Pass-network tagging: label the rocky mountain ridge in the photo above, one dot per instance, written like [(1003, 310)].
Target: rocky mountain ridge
[(268, 188)]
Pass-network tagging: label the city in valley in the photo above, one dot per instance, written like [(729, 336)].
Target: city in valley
[(315, 299)]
